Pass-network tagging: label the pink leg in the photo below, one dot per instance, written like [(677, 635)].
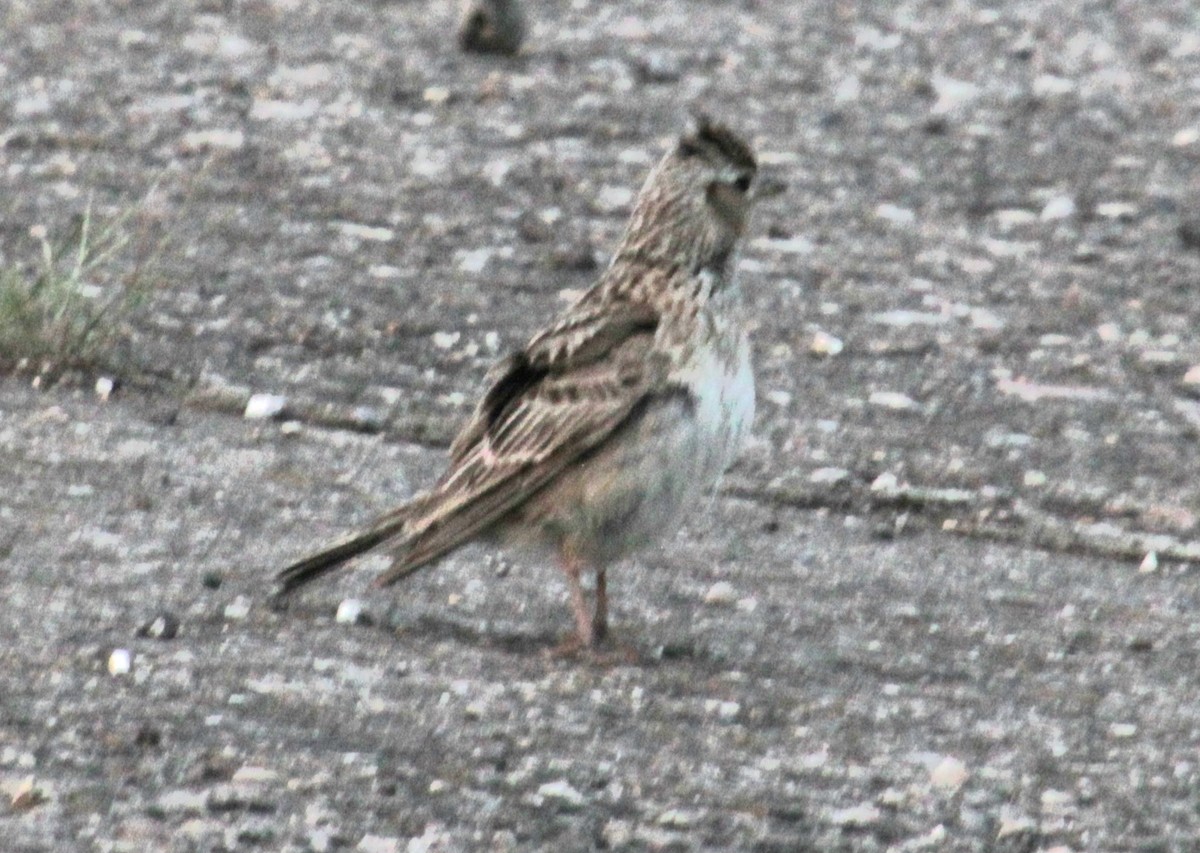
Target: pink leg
[(584, 630), (600, 620)]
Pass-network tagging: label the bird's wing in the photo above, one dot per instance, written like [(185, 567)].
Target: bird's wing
[(587, 333), (537, 418)]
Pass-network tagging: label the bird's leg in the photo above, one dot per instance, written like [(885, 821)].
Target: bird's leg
[(584, 630), (600, 619)]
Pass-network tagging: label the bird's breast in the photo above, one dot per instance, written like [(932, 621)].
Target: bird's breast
[(721, 383)]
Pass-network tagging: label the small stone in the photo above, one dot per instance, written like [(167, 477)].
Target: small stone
[(27, 796), (722, 709), (1014, 823), (1149, 563), (1059, 207), (677, 818), (351, 612), (1056, 802), (855, 816), (379, 844), (1050, 85), (1187, 136), (239, 608), (1035, 479), (721, 594), (436, 95), (104, 388), (893, 400), (825, 344), (120, 662), (475, 260), (617, 833), (264, 406), (949, 774), (164, 626), (1014, 217), (1122, 730), (445, 340), (784, 245), (828, 476), (252, 774), (182, 802), (614, 199), (951, 93), (895, 214), (211, 140), (561, 791), (885, 482), (1122, 210)]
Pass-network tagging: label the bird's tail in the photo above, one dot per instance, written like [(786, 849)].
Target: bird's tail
[(332, 557)]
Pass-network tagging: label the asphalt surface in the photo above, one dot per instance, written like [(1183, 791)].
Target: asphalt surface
[(943, 603)]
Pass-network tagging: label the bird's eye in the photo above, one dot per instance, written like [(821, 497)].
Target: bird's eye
[(742, 183)]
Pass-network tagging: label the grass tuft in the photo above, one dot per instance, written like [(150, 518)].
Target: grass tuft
[(65, 307)]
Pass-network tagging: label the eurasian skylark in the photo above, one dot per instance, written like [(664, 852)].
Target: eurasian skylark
[(491, 26), (594, 438)]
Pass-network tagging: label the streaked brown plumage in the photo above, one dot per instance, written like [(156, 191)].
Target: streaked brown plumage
[(593, 438)]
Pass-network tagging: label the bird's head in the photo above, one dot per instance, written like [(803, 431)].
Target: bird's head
[(696, 202)]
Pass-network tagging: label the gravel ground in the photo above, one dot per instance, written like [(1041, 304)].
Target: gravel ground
[(942, 604)]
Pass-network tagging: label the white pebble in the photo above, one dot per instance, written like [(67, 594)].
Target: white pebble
[(1034, 479), (104, 388), (1059, 207), (210, 140), (445, 340), (949, 774), (895, 214), (264, 406), (785, 245), (1185, 137), (613, 199), (474, 261), (379, 844), (239, 608), (721, 593), (1056, 802), (824, 343), (561, 790), (893, 400), (825, 476), (885, 482), (357, 231), (250, 773), (863, 815), (349, 611), (120, 662), (1122, 730), (1149, 563), (723, 710), (677, 818), (1116, 210)]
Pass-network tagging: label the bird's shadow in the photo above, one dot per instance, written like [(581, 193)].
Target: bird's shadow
[(512, 639)]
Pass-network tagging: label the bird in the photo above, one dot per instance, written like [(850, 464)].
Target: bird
[(594, 439), (491, 26)]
